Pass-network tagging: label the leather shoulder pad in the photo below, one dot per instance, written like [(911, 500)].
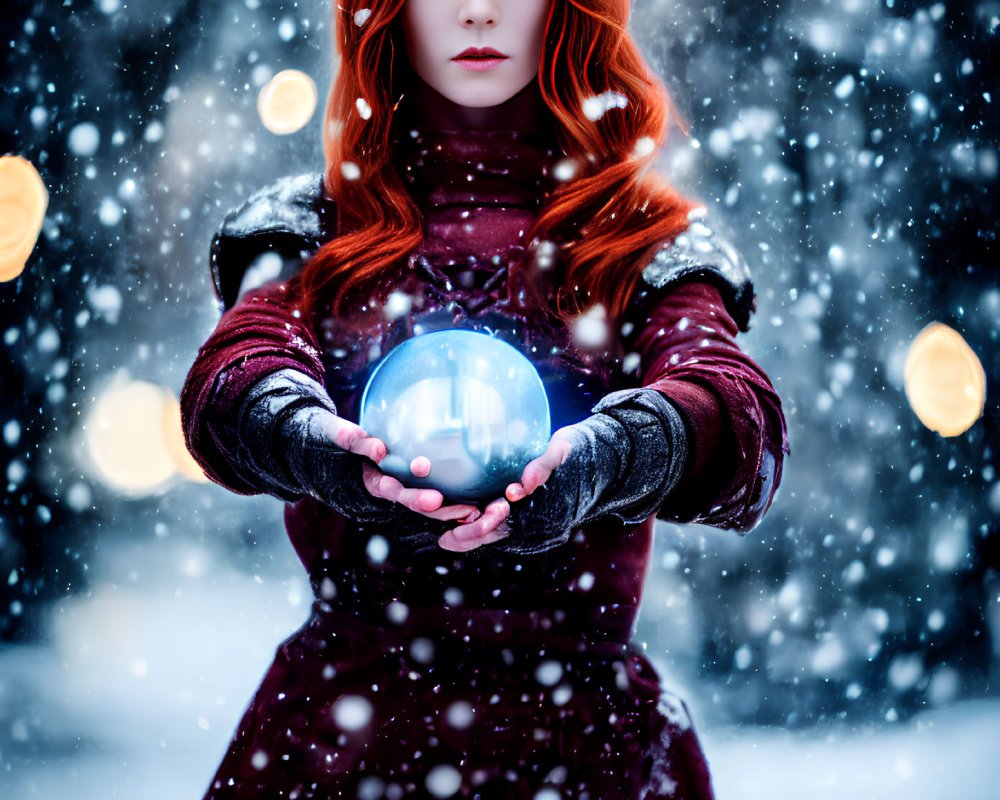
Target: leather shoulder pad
[(290, 218), (700, 254)]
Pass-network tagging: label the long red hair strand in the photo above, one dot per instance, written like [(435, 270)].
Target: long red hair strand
[(614, 209)]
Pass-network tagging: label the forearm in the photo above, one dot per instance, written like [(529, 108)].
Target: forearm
[(260, 336), (263, 440), (688, 352), (284, 440), (647, 435)]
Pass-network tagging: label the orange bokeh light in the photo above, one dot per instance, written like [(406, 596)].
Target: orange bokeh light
[(945, 381), (134, 439), (173, 438), (23, 200), (287, 102)]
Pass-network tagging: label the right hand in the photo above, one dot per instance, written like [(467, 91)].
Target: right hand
[(427, 502), (493, 525)]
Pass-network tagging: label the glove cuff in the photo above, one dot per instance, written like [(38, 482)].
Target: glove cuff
[(624, 462), (285, 445), (653, 453)]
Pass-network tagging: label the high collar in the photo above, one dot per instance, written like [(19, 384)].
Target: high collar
[(478, 175)]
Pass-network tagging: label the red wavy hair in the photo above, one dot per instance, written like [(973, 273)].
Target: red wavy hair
[(613, 210)]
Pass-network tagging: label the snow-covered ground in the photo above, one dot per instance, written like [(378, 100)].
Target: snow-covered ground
[(942, 754), (141, 683)]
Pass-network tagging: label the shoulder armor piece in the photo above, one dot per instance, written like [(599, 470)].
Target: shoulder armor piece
[(289, 218), (698, 253)]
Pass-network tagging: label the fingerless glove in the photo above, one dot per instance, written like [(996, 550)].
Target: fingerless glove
[(624, 461), (282, 440)]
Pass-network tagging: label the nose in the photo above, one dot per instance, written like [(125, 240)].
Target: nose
[(477, 13)]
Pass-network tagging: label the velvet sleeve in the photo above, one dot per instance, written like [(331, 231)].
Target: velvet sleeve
[(686, 341), (261, 334)]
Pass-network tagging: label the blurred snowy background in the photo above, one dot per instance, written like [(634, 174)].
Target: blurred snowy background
[(847, 648)]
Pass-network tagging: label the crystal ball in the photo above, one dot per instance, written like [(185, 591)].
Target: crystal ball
[(469, 402)]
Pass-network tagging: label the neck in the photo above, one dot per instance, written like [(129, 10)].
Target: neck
[(426, 109), (478, 175)]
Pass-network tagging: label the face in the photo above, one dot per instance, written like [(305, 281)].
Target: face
[(477, 53)]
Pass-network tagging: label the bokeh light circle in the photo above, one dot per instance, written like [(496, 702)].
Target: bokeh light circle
[(23, 200), (133, 439), (173, 438), (287, 102), (945, 381)]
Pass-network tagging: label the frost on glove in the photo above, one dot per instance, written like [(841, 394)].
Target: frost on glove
[(624, 462), (282, 441)]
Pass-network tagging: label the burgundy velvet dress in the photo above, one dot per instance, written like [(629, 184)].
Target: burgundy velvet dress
[(425, 673)]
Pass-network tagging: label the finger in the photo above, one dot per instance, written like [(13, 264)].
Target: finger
[(368, 446), (423, 501), (476, 514), (448, 541), (493, 515), (515, 492), (343, 432), (534, 475), (463, 513), (372, 479), (353, 438), (540, 469), (421, 466), (388, 488)]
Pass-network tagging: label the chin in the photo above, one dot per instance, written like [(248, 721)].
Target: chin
[(479, 94), (480, 100)]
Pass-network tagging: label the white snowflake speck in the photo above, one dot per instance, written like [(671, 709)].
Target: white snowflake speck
[(352, 712), (590, 329), (644, 146), (84, 139), (286, 29), (397, 612), (845, 87), (377, 549), (398, 305), (460, 715), (443, 781), (110, 212), (564, 170), (596, 107), (350, 171), (422, 650), (549, 673)]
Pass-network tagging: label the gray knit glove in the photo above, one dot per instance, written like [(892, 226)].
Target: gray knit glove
[(284, 448), (624, 461)]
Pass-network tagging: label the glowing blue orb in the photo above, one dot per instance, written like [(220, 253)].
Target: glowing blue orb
[(469, 402)]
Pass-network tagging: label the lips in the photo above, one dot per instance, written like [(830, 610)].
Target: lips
[(480, 58)]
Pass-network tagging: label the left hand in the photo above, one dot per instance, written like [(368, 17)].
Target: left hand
[(492, 525)]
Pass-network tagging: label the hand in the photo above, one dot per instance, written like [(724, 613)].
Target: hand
[(427, 502), (539, 470), (492, 526)]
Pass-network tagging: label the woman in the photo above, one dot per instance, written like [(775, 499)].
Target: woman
[(488, 168)]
